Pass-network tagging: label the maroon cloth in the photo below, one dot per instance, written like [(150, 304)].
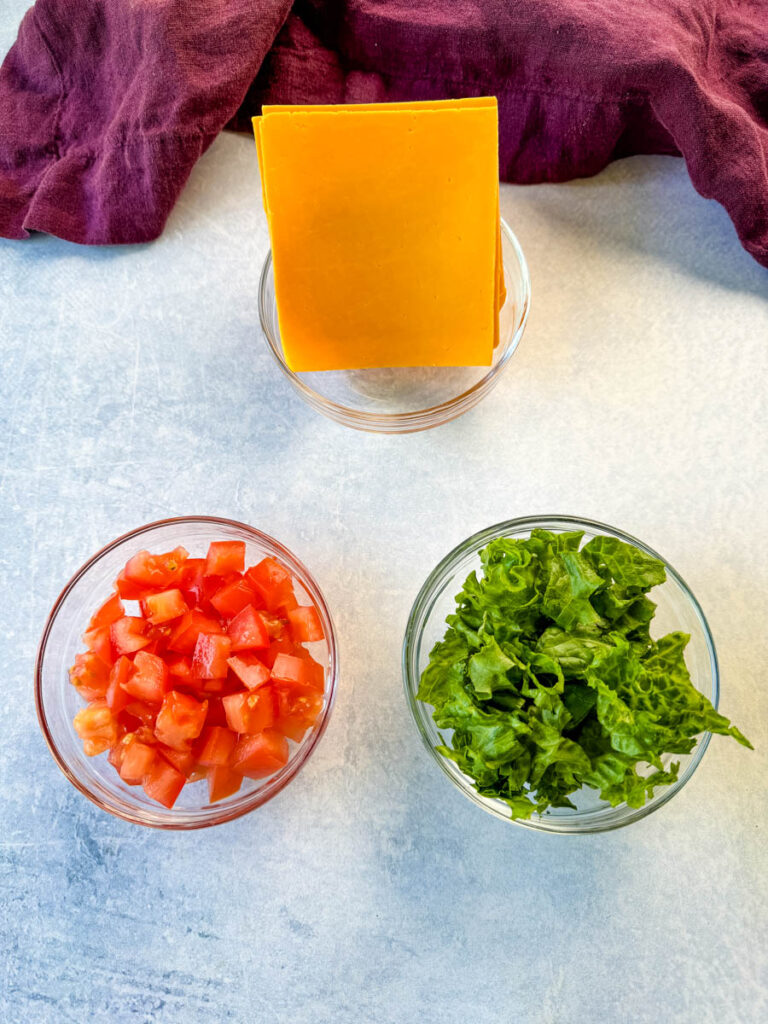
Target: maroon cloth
[(105, 105)]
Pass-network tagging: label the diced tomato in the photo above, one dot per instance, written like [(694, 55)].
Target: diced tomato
[(162, 607), (191, 625), (210, 658), (290, 669), (181, 667), (316, 672), (305, 624), (127, 589), (210, 680), (115, 755), (156, 570), (249, 712), (222, 782), (158, 637), (191, 581), (283, 645), (97, 727), (274, 583), (211, 585), (225, 556), (216, 714), (260, 755), (213, 685), (182, 760), (109, 612), (90, 676), (142, 712), (164, 783), (252, 672), (233, 597), (180, 719), (150, 680), (277, 627), (297, 710), (117, 697), (98, 641), (217, 746), (247, 630), (143, 734), (128, 634), (137, 761)]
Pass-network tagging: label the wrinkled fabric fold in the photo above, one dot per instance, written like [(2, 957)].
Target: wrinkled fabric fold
[(105, 105)]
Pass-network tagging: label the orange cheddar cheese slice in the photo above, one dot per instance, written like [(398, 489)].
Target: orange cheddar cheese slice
[(384, 221), (464, 101)]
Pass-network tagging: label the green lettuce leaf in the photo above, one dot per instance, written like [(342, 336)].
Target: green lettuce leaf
[(547, 679)]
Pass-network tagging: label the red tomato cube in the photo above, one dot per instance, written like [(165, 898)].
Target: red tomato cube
[(150, 680), (180, 719), (137, 761), (184, 637), (249, 712), (180, 666), (191, 582), (213, 685), (248, 630), (233, 597), (117, 696), (261, 755), (156, 570), (222, 782), (305, 624), (251, 672), (297, 710), (274, 583), (109, 612), (89, 675), (283, 645), (288, 668), (210, 658), (162, 607), (127, 589), (164, 783), (142, 712), (98, 641), (128, 634), (217, 746), (182, 760), (97, 727), (225, 556)]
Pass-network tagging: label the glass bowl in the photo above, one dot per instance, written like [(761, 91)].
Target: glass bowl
[(57, 700), (677, 609), (405, 399)]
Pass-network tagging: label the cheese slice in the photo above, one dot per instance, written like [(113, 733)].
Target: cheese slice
[(464, 101), (385, 232)]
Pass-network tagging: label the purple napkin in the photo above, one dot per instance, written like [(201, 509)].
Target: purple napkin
[(105, 105)]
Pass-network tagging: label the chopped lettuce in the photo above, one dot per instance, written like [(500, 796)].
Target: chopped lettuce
[(549, 680)]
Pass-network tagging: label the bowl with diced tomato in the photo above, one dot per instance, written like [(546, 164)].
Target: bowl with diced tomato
[(186, 672)]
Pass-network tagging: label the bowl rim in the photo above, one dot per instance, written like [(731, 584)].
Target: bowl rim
[(419, 614), (292, 767), (420, 419)]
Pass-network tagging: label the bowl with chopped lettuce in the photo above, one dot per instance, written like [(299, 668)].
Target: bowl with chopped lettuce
[(562, 674)]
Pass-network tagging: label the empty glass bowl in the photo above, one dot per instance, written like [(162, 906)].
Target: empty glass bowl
[(677, 609), (406, 399), (58, 701)]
